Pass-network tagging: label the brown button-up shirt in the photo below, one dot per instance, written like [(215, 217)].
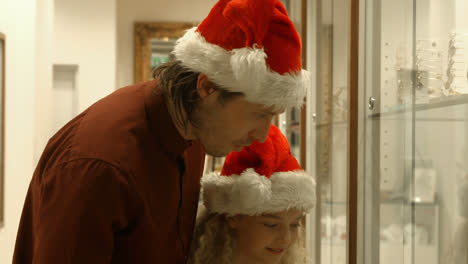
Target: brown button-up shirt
[(106, 189)]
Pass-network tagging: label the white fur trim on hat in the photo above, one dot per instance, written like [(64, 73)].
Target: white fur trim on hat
[(242, 70), (253, 194)]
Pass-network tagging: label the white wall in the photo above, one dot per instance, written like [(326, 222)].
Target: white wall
[(85, 35), (18, 19), (130, 11), (43, 84)]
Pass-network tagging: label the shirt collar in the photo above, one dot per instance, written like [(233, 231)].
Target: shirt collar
[(161, 122)]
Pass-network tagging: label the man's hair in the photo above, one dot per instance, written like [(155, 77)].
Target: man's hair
[(178, 84)]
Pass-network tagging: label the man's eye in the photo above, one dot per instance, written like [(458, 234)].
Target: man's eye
[(296, 225), (270, 225), (262, 115)]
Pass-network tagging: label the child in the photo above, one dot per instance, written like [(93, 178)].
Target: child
[(252, 212)]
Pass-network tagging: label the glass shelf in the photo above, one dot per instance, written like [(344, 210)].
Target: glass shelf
[(406, 203), (431, 103)]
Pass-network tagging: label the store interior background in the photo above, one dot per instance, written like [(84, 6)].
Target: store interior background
[(47, 40), (95, 38)]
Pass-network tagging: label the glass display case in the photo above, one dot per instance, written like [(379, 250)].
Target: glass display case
[(327, 134), (412, 170), (415, 66)]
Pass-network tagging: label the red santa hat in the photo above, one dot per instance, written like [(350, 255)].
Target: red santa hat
[(262, 178), (248, 46)]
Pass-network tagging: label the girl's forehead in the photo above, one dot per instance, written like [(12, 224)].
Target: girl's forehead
[(291, 213)]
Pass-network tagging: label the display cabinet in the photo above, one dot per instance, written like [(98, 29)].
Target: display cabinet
[(389, 133), (327, 133), (415, 82)]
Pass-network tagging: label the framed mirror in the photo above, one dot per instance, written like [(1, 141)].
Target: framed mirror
[(153, 43), (2, 124)]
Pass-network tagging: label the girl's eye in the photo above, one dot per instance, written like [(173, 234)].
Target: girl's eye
[(262, 115), (270, 225)]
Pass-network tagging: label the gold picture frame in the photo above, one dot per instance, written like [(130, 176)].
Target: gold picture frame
[(144, 33)]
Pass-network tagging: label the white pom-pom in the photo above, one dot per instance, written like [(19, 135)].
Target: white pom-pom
[(251, 190)]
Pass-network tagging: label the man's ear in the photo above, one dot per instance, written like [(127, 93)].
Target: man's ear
[(204, 86)]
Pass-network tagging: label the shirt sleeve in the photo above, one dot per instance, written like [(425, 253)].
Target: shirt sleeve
[(78, 206)]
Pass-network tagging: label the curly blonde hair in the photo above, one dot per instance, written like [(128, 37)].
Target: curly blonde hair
[(213, 242)]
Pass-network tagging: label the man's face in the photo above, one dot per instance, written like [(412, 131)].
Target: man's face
[(265, 238), (229, 126)]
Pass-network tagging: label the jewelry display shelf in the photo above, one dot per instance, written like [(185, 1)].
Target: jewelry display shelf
[(422, 105)]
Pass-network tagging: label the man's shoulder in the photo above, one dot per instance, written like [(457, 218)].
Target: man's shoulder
[(115, 124), (122, 100), (109, 130)]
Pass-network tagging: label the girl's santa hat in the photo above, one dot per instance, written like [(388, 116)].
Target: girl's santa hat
[(248, 46), (262, 178)]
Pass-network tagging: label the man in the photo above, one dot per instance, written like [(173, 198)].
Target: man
[(120, 182)]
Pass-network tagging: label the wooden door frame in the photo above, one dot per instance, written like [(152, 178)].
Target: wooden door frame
[(353, 132), (303, 118)]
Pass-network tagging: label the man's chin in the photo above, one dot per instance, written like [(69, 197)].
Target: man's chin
[(217, 153), (238, 148)]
